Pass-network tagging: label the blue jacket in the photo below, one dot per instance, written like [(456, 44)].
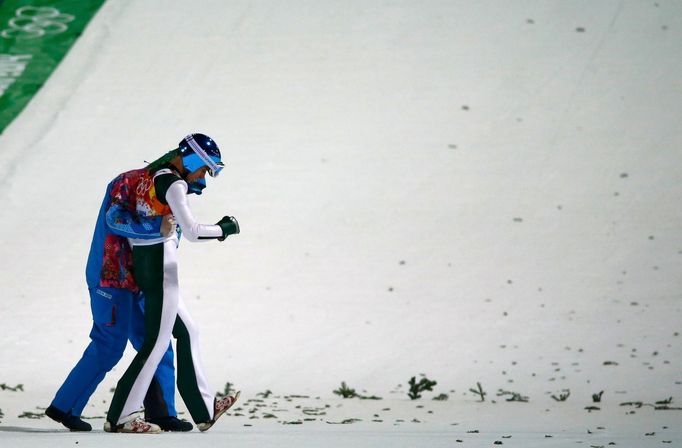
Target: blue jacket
[(110, 258)]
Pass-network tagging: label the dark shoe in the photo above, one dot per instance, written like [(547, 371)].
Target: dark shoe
[(70, 421), (172, 424), (55, 414)]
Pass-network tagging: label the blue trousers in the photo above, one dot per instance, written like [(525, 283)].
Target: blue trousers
[(118, 316)]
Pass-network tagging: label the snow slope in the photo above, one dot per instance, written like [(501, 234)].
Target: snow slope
[(477, 191)]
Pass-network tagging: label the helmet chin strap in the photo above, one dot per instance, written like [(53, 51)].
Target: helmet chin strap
[(196, 187)]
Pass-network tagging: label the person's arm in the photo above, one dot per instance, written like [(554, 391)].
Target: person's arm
[(124, 223), (176, 197)]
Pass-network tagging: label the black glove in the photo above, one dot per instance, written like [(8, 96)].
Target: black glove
[(229, 225)]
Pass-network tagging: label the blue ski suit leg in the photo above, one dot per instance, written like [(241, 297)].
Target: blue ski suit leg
[(112, 312)]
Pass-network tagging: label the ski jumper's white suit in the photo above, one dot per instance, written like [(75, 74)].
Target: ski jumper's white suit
[(156, 272)]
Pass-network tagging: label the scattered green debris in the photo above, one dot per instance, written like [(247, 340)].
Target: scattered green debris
[(637, 404), (314, 411), (345, 422), (32, 415), (265, 394), (563, 396), (348, 392), (441, 397), (479, 391), (295, 422), (513, 396), (18, 387), (345, 391), (668, 408), (227, 391), (664, 405), (596, 398), (416, 388)]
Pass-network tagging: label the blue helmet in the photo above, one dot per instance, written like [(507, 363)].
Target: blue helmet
[(198, 150)]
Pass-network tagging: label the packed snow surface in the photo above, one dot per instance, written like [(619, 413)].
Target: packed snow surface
[(480, 192)]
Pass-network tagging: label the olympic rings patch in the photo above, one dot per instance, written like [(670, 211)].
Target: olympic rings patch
[(143, 186), (33, 22)]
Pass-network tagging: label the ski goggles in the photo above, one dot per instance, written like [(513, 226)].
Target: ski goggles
[(193, 162), (200, 158)]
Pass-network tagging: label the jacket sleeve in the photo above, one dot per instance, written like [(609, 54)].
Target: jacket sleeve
[(176, 196), (121, 218), (126, 224)]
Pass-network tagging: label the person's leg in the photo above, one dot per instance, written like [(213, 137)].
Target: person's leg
[(159, 402), (109, 334), (110, 312), (156, 274), (192, 383)]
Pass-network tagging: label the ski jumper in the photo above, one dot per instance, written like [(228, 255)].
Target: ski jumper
[(156, 273), (117, 307)]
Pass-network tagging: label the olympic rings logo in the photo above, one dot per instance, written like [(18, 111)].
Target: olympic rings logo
[(33, 22), (143, 186)]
